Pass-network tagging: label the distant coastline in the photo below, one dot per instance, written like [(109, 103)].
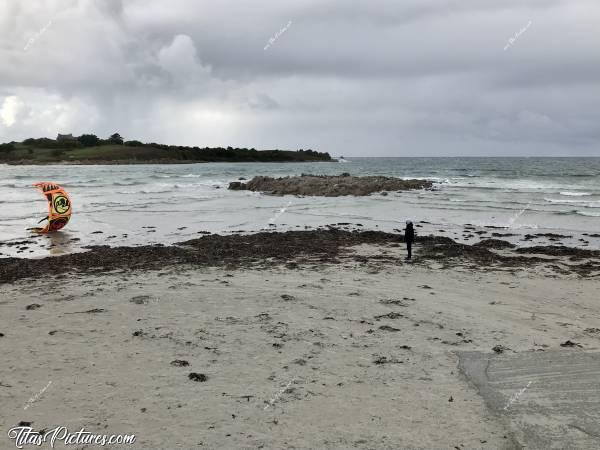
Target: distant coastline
[(127, 162), (88, 149)]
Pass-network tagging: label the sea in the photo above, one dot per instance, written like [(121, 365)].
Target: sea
[(149, 204)]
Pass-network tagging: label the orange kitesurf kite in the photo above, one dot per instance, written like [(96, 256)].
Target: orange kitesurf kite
[(59, 207)]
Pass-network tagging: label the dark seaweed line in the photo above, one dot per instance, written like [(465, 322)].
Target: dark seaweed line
[(295, 248)]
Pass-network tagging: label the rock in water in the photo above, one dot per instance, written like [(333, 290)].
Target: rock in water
[(329, 186), (237, 186)]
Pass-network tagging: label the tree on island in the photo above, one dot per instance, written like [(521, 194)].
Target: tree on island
[(116, 139), (7, 148), (89, 140)]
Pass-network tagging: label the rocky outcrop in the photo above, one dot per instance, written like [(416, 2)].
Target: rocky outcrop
[(329, 186)]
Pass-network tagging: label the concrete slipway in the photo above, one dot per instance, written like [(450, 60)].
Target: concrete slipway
[(549, 399)]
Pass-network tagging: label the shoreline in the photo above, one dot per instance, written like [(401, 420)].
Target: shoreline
[(305, 248)]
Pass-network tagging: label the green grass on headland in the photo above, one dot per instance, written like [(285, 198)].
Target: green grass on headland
[(115, 151)]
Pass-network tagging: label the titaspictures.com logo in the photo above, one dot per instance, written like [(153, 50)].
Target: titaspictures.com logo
[(25, 436)]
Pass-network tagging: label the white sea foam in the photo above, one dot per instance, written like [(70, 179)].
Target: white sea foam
[(434, 179), (525, 226), (576, 194), (586, 203), (588, 213)]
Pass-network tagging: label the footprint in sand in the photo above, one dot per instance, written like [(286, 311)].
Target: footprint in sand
[(140, 299)]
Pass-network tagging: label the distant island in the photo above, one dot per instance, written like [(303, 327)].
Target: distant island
[(90, 149)]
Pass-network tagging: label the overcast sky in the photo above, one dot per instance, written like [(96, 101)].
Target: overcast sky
[(354, 78)]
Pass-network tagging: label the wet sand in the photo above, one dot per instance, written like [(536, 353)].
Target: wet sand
[(220, 343)]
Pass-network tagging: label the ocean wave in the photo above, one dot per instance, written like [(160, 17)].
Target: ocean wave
[(24, 202), (477, 205), (93, 206), (517, 185), (82, 184), (575, 194), (521, 226), (145, 191), (433, 179), (584, 203), (191, 185), (135, 183), (588, 214), (160, 188), (28, 218)]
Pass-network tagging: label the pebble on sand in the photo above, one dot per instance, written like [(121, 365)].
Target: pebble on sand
[(200, 377), (180, 363)]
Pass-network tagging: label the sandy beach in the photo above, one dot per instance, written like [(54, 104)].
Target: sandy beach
[(354, 350)]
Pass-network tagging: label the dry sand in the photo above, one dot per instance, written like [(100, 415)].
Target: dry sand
[(332, 356)]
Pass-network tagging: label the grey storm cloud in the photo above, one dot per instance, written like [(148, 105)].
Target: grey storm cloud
[(368, 78)]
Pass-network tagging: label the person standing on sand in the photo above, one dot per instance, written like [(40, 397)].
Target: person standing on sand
[(409, 237)]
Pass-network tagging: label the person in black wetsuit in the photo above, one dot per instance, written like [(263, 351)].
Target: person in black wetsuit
[(409, 237)]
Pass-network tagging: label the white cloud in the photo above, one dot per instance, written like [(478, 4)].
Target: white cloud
[(180, 60), (12, 109)]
